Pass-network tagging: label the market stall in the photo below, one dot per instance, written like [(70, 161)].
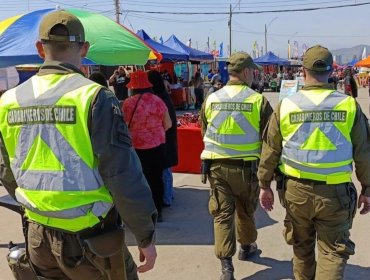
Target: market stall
[(190, 144), (195, 56)]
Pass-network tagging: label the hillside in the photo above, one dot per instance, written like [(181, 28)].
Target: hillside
[(343, 56)]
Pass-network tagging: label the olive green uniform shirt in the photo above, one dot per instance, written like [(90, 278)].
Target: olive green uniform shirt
[(119, 165), (266, 110), (272, 146)]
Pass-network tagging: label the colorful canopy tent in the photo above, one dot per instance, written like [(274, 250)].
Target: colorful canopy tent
[(167, 53), (110, 43), (352, 62), (271, 59), (193, 54), (364, 63)]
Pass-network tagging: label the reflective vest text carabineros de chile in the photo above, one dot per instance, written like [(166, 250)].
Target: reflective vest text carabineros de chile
[(233, 114), (316, 126), (44, 126)]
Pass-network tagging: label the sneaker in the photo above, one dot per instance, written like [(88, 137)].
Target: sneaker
[(227, 269), (246, 251)]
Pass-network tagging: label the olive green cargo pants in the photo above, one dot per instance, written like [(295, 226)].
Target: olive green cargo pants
[(323, 213), (233, 189), (58, 255)]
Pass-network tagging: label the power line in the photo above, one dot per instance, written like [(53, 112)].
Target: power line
[(222, 6), (303, 36), (135, 15), (251, 12)]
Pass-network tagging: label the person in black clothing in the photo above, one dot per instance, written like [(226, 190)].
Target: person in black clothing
[(350, 86), (119, 80), (171, 157)]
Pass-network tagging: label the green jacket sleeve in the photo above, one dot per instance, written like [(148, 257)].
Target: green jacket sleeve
[(360, 137), (203, 118), (271, 149), (266, 112), (6, 175), (120, 168)]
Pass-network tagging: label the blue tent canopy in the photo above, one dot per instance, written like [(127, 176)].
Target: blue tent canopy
[(167, 53), (271, 59), (193, 54), (352, 62)]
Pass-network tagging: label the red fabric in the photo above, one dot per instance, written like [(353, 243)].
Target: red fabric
[(139, 80), (146, 127), (190, 146), (179, 96), (170, 67)]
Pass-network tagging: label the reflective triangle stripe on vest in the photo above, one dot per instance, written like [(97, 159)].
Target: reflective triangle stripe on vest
[(76, 174), (293, 147), (250, 136)]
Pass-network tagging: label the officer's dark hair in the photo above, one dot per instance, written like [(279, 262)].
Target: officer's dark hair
[(60, 30)]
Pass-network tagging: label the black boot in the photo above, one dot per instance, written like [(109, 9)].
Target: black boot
[(227, 269), (247, 251)]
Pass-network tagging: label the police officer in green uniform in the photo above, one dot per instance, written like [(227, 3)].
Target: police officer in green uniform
[(66, 157), (313, 137), (232, 121)]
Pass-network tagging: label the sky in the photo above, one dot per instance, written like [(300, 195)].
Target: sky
[(332, 28)]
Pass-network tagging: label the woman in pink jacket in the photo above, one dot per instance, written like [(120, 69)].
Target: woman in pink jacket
[(147, 119)]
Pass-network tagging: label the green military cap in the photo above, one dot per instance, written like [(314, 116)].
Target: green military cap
[(239, 61), (76, 32), (318, 59)]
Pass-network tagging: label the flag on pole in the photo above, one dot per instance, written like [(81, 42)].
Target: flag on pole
[(189, 43), (289, 50), (363, 56), (304, 48), (221, 53), (257, 50), (295, 54)]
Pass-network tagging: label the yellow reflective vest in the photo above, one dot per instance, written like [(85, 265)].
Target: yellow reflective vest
[(316, 126), (233, 130), (44, 126)]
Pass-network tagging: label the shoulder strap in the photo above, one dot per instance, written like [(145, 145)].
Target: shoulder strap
[(133, 112)]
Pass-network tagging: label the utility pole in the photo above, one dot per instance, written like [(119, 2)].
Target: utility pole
[(265, 39), (231, 12), (118, 10)]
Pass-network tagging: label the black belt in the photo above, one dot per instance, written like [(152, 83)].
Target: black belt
[(236, 162), (110, 222), (306, 181)]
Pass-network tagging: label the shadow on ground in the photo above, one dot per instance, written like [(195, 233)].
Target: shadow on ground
[(187, 221), (278, 269)]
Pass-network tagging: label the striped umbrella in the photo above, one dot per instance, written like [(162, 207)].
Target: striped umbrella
[(110, 43)]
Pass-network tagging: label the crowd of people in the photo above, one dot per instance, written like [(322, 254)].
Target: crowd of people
[(82, 161)]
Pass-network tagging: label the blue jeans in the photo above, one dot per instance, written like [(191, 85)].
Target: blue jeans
[(168, 186)]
